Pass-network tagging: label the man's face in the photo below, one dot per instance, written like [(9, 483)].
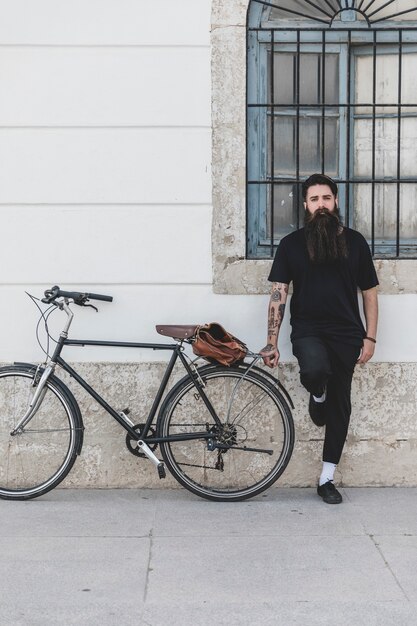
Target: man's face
[(320, 197)]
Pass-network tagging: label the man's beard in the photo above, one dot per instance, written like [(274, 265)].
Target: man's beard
[(325, 237)]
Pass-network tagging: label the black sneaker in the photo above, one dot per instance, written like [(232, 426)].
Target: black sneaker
[(317, 411), (329, 493)]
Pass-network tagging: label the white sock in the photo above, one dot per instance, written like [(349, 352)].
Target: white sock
[(321, 398), (327, 472)]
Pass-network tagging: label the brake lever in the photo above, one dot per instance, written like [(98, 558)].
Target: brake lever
[(82, 301), (92, 306)]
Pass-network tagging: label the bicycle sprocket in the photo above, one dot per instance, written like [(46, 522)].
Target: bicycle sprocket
[(131, 444)]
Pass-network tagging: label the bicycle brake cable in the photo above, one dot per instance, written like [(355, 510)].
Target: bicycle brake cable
[(44, 316)]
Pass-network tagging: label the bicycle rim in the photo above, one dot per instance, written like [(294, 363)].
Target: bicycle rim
[(256, 424), (35, 461)]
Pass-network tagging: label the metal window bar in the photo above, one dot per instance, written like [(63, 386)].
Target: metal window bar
[(349, 110), (297, 126), (348, 5), (400, 56), (323, 96), (374, 42), (272, 91), (351, 180)]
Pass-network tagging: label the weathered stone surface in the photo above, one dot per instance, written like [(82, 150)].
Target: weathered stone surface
[(105, 460), (228, 149), (228, 78), (382, 439), (397, 276), (237, 276), (381, 447), (227, 235), (227, 13)]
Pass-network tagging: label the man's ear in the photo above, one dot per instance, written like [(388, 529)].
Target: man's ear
[(305, 206)]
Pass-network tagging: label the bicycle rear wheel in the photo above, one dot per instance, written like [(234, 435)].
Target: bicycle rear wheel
[(37, 459), (255, 435)]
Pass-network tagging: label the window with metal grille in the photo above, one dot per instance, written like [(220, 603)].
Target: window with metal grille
[(331, 87)]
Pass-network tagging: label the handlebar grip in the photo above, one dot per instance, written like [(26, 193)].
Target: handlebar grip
[(77, 296), (99, 296)]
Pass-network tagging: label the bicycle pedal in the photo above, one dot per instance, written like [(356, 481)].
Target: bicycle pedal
[(161, 470)]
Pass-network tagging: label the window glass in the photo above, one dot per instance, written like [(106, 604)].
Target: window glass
[(384, 146), (299, 8), (311, 78)]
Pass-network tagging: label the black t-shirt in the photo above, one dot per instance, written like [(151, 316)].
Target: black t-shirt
[(325, 296)]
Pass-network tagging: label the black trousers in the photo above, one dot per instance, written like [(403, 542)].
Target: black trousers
[(328, 363)]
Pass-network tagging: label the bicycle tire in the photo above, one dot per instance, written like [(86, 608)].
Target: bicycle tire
[(259, 418), (37, 460)]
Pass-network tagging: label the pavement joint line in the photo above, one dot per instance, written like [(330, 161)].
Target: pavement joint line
[(150, 554), (388, 566), (67, 536), (148, 566), (251, 536)]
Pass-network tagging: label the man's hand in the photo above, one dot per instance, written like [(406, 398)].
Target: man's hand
[(367, 352), (270, 355)]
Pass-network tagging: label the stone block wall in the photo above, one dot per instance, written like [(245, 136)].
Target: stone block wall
[(381, 447)]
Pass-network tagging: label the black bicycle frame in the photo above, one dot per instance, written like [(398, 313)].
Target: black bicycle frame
[(176, 353)]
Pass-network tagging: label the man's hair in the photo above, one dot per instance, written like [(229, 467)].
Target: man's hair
[(318, 179)]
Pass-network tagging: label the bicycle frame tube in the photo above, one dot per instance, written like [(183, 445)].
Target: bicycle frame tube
[(176, 353), (106, 406), (176, 349)]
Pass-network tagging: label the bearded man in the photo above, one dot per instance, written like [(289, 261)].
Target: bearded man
[(327, 263)]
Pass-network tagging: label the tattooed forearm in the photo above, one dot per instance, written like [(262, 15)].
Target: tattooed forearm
[(276, 295), (279, 292), (275, 317), (268, 348), (276, 311), (272, 322)]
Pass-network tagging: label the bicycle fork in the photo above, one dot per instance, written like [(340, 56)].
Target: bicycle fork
[(36, 399)]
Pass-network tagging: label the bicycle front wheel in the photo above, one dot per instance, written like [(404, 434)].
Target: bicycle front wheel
[(35, 460), (250, 446)]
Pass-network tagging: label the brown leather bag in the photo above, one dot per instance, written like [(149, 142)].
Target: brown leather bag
[(216, 345)]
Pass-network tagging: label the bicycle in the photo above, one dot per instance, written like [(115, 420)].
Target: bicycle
[(225, 433)]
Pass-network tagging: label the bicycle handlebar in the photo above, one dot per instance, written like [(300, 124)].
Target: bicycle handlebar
[(79, 298)]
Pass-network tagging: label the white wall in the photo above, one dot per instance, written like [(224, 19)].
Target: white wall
[(136, 309), (105, 151)]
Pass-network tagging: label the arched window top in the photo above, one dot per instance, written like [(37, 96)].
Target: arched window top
[(333, 12)]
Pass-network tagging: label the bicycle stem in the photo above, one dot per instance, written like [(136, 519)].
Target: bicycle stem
[(64, 333)]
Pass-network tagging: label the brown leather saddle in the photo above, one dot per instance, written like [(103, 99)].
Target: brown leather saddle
[(177, 331)]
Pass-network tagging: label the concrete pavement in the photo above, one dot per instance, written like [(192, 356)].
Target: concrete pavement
[(154, 557)]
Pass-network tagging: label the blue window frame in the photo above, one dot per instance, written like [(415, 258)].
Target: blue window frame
[(330, 92)]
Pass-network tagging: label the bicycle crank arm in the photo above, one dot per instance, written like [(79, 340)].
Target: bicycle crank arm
[(220, 446), (151, 456)]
